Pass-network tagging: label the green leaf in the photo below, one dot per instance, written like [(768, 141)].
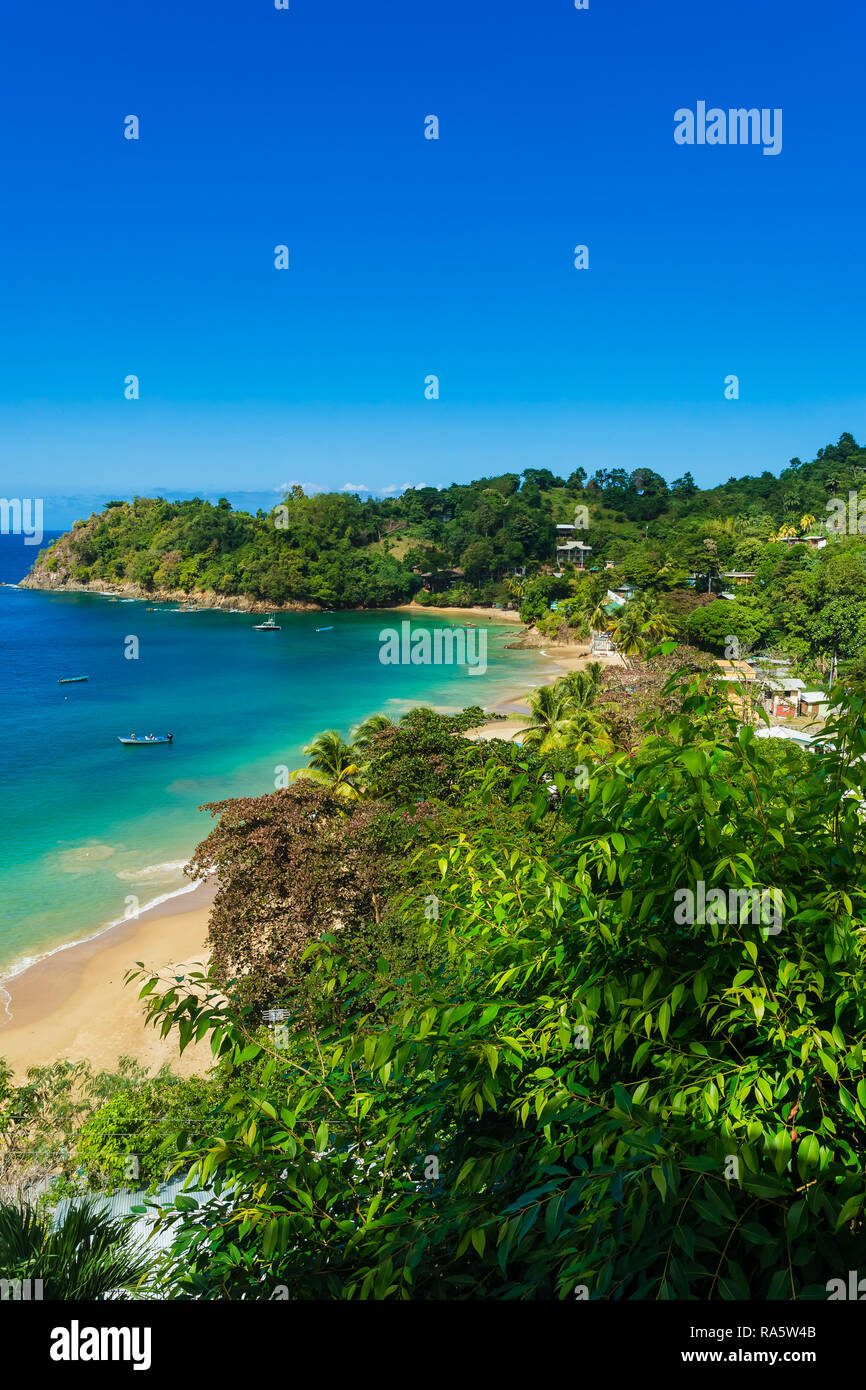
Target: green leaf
[(781, 1150)]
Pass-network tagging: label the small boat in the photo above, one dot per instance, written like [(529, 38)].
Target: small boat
[(72, 680), (325, 629), (150, 738), (269, 626)]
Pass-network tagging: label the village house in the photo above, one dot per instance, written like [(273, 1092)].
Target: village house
[(742, 686), (781, 696), (813, 704), (440, 579), (798, 736), (766, 664), (814, 542)]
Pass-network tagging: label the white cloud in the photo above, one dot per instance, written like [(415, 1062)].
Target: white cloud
[(355, 487)]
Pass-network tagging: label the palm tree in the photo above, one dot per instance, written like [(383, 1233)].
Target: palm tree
[(658, 626), (806, 520), (627, 631), (556, 721), (784, 533), (599, 619), (549, 719), (84, 1255), (331, 765), (364, 736), (583, 686), (639, 626)]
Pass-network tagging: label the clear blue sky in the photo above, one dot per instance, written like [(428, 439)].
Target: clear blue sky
[(411, 257)]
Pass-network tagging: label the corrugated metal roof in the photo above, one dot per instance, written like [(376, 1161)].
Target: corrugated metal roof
[(121, 1201)]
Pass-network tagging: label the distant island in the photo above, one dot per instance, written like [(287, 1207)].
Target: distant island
[(552, 547)]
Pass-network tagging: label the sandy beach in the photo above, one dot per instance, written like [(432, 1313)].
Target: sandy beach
[(493, 615), (563, 658), (73, 1004)]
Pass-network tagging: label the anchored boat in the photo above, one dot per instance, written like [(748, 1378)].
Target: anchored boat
[(269, 626), (149, 738)]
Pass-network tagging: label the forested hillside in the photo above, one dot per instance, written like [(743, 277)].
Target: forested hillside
[(494, 541)]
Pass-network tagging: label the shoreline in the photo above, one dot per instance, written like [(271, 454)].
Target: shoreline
[(71, 1003), (25, 963), (563, 659)]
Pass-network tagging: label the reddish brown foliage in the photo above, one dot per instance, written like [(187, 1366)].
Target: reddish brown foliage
[(290, 866), (635, 693)]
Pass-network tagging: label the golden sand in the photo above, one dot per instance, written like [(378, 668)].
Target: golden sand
[(74, 1004)]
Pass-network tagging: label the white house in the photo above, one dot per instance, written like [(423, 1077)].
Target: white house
[(572, 553)]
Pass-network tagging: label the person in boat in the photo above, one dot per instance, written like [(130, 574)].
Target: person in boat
[(170, 737)]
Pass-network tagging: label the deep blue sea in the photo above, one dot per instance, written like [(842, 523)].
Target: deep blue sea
[(88, 823)]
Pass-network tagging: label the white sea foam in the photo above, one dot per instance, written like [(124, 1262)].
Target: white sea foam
[(24, 962), (152, 873)]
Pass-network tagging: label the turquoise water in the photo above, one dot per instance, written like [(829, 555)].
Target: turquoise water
[(90, 824)]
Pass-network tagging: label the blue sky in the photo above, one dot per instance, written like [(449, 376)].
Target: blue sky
[(410, 257)]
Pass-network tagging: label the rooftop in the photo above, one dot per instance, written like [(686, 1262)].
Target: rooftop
[(784, 684)]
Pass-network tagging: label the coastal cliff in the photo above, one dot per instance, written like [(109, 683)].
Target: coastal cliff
[(39, 577)]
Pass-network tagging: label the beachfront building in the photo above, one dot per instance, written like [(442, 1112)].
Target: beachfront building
[(621, 594), (601, 644)]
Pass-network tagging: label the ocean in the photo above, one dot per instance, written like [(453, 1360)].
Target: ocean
[(94, 829)]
